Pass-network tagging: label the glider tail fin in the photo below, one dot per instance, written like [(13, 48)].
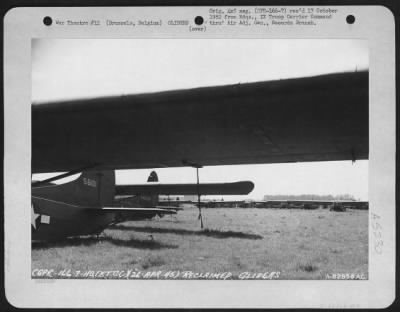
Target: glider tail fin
[(140, 195), (153, 177), (152, 200), (97, 187), (147, 199), (93, 188)]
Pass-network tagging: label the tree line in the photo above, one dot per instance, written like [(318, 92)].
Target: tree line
[(310, 197)]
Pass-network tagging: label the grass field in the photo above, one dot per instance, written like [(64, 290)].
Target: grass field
[(300, 244)]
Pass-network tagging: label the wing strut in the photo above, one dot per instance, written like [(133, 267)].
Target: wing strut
[(197, 166), (198, 196)]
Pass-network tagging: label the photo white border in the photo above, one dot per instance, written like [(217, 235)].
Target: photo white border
[(373, 23)]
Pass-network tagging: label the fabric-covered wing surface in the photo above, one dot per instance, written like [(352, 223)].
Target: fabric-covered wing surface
[(304, 119)]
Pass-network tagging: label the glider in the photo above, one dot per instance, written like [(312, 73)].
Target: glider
[(90, 203), (317, 118)]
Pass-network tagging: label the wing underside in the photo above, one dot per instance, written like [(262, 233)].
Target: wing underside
[(296, 120)]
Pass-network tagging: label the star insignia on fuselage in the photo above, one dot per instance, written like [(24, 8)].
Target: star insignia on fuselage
[(45, 219), (34, 216)]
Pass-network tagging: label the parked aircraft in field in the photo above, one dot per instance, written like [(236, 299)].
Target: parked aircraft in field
[(295, 120), (147, 195), (91, 203), (299, 204)]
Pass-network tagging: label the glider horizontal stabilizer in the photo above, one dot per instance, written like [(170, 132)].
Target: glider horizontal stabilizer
[(136, 210), (235, 188), (170, 207)]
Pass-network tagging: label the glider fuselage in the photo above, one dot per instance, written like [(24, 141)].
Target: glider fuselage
[(73, 208)]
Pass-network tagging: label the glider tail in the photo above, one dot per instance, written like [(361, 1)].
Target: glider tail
[(97, 187), (150, 200), (153, 177), (93, 188), (147, 199), (142, 195)]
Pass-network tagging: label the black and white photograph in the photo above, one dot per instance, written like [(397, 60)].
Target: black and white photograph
[(204, 159), (199, 157)]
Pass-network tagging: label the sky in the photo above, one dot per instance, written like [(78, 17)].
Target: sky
[(76, 68), (84, 68)]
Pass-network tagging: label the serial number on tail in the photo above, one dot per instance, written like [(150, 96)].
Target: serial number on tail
[(89, 182)]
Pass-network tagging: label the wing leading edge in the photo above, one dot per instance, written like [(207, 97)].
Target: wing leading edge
[(295, 120)]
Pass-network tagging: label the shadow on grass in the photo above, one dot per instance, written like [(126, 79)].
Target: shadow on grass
[(307, 267), (205, 232), (88, 241)]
